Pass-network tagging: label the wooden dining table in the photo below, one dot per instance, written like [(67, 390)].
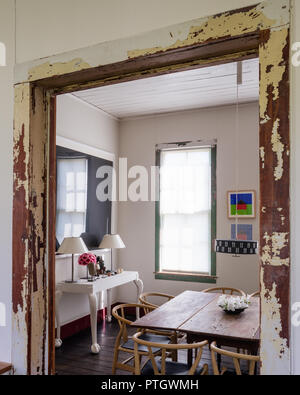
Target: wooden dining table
[(198, 315)]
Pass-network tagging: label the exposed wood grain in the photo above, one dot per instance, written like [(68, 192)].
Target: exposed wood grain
[(213, 322), (173, 314), (52, 236), (5, 367), (247, 44)]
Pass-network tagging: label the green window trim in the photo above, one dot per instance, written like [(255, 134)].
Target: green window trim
[(192, 277)]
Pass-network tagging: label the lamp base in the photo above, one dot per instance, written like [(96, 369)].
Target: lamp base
[(71, 282)]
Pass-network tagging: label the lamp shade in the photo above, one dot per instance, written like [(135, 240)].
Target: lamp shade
[(72, 245), (112, 241)]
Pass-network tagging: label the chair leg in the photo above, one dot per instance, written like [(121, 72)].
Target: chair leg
[(115, 360), (219, 359)]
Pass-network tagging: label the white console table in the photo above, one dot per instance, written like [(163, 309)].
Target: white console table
[(92, 289)]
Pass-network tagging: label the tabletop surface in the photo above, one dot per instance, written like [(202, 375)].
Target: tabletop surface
[(198, 313), (175, 312), (103, 283)]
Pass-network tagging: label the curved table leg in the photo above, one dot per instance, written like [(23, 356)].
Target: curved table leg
[(95, 348), (58, 341), (108, 299), (140, 287)]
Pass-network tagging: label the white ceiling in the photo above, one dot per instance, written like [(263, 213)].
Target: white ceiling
[(185, 90)]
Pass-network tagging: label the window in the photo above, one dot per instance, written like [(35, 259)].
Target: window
[(186, 214), (71, 198)]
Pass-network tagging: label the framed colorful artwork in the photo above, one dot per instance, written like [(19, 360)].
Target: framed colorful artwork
[(241, 204), (244, 232)]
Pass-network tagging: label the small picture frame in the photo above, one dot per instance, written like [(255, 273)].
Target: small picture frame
[(244, 232), (241, 204)]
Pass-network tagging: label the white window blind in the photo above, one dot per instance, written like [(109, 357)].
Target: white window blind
[(71, 198), (185, 211)]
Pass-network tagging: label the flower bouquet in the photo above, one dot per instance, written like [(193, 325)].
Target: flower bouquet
[(233, 304), (89, 260)]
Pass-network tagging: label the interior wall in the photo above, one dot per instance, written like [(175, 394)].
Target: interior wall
[(82, 123), (138, 138), (83, 23), (6, 172)]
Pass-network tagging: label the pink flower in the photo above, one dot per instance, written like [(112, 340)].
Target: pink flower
[(87, 258)]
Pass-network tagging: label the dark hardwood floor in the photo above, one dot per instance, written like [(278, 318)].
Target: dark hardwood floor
[(75, 358)]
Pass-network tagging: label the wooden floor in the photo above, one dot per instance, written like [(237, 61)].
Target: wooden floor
[(75, 358)]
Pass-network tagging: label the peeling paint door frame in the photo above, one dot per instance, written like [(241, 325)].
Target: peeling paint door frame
[(235, 35)]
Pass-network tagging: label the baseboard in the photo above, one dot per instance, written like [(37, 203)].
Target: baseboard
[(74, 327), (79, 325)]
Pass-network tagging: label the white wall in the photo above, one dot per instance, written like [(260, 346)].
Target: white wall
[(138, 138), (6, 179), (84, 124), (64, 25)]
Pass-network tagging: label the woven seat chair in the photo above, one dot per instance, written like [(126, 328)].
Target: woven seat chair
[(159, 365), (125, 343), (144, 298), (226, 290), (237, 358)]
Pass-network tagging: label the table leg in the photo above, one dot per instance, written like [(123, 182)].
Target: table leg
[(189, 340), (95, 348), (108, 298), (140, 287), (58, 341)]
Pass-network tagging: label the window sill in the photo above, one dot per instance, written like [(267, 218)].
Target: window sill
[(188, 277)]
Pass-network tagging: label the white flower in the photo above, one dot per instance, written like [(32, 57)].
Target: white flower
[(232, 303)]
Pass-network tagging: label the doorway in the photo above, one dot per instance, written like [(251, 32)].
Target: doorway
[(256, 34)]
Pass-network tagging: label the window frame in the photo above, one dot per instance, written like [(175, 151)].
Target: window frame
[(75, 191), (181, 276)]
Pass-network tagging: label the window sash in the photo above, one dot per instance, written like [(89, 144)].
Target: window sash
[(71, 197), (205, 270)]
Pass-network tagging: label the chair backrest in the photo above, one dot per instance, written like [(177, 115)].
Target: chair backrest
[(255, 294), (122, 311), (226, 290), (164, 353), (144, 298), (237, 358)]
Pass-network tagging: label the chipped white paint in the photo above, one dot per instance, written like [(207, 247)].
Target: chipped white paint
[(19, 345), (272, 67), (272, 249), (21, 117), (268, 14), (19, 326), (274, 349), (282, 217), (278, 149), (262, 156)]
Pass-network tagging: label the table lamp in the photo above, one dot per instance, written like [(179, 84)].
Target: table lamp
[(72, 245), (112, 242)]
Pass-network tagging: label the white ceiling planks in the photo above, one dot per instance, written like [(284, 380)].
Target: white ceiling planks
[(199, 88)]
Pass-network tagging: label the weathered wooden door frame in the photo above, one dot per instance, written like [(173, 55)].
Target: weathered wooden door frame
[(239, 34)]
